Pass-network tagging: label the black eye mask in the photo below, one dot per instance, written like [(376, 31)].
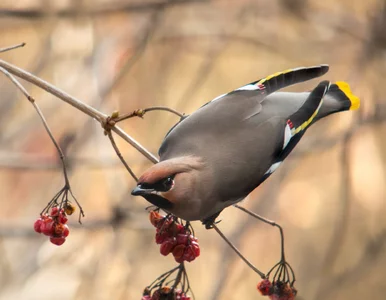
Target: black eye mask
[(162, 185), (148, 190)]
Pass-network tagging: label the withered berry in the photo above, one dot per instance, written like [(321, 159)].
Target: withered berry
[(265, 287)]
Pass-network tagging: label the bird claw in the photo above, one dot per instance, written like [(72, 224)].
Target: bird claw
[(208, 222)]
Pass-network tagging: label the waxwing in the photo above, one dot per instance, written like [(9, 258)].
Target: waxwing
[(219, 154)]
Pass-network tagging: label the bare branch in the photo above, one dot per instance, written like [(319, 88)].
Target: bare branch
[(120, 156), (12, 47), (264, 202), (92, 112), (141, 112)]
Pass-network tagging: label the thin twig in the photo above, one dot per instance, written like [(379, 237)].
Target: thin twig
[(104, 91), (261, 274), (45, 124), (12, 47), (268, 222), (141, 112), (179, 275), (262, 203), (92, 112), (120, 156)]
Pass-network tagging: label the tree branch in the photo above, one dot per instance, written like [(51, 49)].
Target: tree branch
[(109, 134), (92, 112), (141, 112), (12, 47)]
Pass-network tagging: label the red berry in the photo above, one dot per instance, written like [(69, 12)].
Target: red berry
[(193, 238), (167, 246), (47, 226), (66, 231), (180, 229), (184, 297), (265, 287), (146, 297), (161, 236), (189, 254), (156, 295), (196, 249), (62, 218), (174, 228), (282, 291), (58, 229), (57, 240), (54, 211), (37, 225), (164, 224), (182, 239), (155, 218), (288, 292), (178, 253)]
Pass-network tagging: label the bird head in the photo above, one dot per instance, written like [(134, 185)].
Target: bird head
[(170, 184)]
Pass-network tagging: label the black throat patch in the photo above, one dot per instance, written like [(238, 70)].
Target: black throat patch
[(158, 201)]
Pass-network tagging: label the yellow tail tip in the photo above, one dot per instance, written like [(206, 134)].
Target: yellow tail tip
[(345, 88)]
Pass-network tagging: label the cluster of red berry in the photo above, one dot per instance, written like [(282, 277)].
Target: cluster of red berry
[(277, 290), (174, 238), (165, 293), (54, 224)]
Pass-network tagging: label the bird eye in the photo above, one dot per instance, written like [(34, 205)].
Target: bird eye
[(168, 183)]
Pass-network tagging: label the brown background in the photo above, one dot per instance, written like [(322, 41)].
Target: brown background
[(329, 195)]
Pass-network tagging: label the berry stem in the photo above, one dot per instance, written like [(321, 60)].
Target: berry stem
[(163, 277), (53, 201), (119, 154), (48, 130), (261, 274), (181, 270), (268, 222)]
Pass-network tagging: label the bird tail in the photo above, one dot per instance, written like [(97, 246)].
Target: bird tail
[(338, 98), (280, 80)]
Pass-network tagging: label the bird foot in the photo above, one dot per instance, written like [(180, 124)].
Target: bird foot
[(208, 222)]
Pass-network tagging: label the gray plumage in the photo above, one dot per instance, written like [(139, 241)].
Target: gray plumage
[(233, 143)]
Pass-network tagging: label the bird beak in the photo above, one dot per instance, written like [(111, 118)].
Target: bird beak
[(152, 196), (139, 191)]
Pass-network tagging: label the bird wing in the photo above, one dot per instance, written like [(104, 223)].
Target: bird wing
[(261, 88), (279, 80)]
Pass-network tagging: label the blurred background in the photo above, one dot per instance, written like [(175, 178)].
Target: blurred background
[(329, 195)]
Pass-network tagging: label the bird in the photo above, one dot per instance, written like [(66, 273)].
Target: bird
[(216, 156)]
